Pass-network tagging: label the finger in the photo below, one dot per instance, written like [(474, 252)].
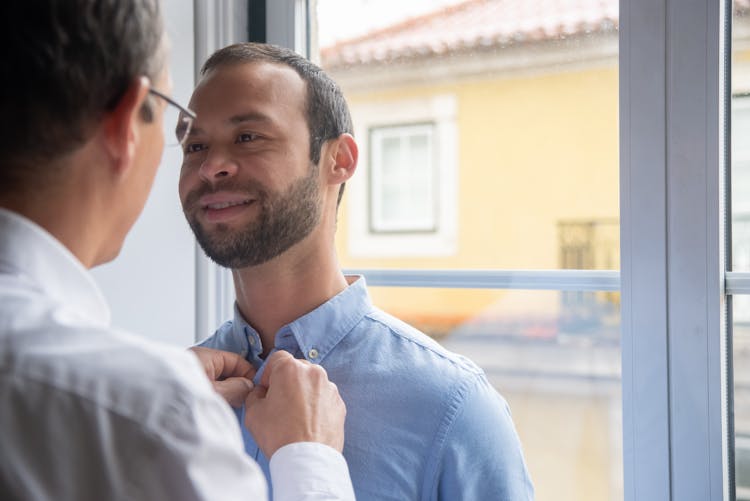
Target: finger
[(205, 359), (274, 361), (220, 364), (234, 390), (234, 365), (258, 393)]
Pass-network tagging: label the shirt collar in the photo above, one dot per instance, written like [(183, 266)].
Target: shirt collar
[(30, 253), (316, 333)]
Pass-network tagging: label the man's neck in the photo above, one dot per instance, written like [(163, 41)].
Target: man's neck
[(278, 292), (65, 218)]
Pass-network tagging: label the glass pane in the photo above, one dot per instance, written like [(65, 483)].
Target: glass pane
[(740, 182), (524, 98), (401, 179), (555, 357), (740, 245), (741, 342)]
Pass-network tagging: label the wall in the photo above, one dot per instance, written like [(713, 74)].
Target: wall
[(151, 285), (553, 155)]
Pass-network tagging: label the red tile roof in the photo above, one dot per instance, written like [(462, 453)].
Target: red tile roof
[(475, 24), (478, 24)]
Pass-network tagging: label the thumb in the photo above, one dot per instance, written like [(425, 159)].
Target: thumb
[(258, 393), (253, 404), (234, 390)]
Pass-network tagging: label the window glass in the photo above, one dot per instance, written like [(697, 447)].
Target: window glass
[(488, 137), (402, 179), (558, 367), (522, 97), (741, 342), (740, 244)]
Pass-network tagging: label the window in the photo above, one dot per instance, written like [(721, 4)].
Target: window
[(488, 145), (403, 200), (671, 77), (403, 180), (740, 243), (740, 211)]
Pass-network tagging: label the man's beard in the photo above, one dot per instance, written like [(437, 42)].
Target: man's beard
[(283, 220)]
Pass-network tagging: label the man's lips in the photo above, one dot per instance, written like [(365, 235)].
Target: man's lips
[(224, 205), (224, 200), (220, 207)]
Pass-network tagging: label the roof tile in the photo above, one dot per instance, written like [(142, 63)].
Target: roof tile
[(475, 24)]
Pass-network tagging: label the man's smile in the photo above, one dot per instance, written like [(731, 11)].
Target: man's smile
[(221, 207)]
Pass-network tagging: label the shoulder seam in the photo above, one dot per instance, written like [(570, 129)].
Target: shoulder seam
[(477, 371)]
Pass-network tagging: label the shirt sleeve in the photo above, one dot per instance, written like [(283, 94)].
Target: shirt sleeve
[(481, 455), (195, 453), (311, 472)]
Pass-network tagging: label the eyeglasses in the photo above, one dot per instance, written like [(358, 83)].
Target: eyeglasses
[(179, 115)]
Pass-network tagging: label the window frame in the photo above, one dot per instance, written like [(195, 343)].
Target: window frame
[(673, 130), (377, 134), (676, 348), (439, 110)]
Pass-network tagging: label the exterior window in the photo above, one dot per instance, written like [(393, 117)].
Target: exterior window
[(403, 201), (481, 126), (740, 196), (402, 179), (741, 205)]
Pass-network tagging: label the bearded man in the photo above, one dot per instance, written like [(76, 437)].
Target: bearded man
[(262, 177)]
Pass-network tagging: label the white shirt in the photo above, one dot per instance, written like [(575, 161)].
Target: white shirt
[(90, 412)]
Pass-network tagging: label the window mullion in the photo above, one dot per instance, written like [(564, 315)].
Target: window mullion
[(643, 241)]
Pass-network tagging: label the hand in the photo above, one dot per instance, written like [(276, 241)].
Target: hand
[(295, 402), (230, 374)]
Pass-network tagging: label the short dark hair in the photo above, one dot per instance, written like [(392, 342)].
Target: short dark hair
[(327, 112), (66, 63)]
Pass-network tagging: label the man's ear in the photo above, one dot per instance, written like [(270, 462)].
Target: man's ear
[(344, 153), (121, 124)]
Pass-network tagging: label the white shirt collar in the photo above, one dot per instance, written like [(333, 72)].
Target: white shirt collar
[(29, 252)]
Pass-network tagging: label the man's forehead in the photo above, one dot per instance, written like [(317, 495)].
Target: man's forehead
[(254, 75), (257, 92)]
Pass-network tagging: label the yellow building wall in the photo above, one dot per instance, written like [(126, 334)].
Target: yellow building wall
[(532, 150)]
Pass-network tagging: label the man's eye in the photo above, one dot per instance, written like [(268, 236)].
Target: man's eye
[(247, 137), (194, 147)]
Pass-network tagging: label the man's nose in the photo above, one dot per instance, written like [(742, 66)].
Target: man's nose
[(217, 164)]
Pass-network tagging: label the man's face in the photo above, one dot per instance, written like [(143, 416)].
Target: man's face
[(247, 186)]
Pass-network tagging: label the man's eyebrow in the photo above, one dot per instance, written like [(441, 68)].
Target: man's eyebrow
[(249, 117)]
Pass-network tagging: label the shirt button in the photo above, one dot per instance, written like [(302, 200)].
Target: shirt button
[(251, 340), (313, 353)]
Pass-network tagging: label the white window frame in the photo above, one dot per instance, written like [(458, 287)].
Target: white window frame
[(405, 221), (674, 332), (441, 111), (677, 443)]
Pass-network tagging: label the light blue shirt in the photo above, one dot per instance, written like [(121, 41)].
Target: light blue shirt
[(422, 423)]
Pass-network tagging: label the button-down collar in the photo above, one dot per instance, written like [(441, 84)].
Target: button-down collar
[(313, 335)]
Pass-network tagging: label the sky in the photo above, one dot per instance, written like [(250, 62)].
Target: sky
[(342, 19)]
